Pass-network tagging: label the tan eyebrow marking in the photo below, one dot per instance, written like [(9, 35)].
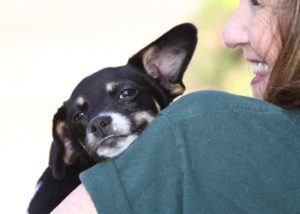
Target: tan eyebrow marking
[(110, 86), (80, 101)]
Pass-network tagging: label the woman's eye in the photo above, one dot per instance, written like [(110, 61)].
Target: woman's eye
[(255, 2), (79, 116), (128, 93)]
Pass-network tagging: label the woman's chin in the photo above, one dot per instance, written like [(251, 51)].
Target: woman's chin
[(258, 86), (258, 94)]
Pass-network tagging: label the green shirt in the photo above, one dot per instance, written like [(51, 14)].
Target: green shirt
[(208, 152)]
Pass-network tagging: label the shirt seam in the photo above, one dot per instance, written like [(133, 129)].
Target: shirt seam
[(122, 185), (182, 156)]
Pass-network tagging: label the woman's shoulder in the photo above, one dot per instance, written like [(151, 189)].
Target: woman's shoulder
[(211, 102)]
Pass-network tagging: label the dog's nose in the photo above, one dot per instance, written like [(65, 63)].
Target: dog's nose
[(100, 124)]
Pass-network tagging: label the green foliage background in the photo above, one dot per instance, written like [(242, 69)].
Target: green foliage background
[(214, 66)]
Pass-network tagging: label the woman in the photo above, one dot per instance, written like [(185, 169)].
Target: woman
[(212, 152)]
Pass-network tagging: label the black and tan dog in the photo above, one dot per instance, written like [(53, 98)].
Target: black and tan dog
[(109, 109)]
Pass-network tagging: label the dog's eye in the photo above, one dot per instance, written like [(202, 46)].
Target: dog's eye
[(128, 93), (79, 116)]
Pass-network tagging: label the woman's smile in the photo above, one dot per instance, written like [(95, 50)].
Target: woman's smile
[(261, 71)]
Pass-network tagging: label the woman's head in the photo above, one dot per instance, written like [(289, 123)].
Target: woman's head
[(268, 32)]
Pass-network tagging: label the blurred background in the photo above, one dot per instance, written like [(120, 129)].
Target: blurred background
[(47, 47)]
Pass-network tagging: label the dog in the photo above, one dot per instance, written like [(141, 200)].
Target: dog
[(108, 110)]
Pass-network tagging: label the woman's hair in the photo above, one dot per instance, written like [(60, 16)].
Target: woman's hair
[(283, 87)]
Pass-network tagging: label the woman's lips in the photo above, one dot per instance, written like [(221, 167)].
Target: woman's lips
[(258, 79), (261, 71)]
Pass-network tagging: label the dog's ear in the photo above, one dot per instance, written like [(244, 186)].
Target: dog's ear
[(167, 58), (61, 152)]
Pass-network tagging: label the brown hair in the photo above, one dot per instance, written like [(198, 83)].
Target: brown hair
[(283, 87)]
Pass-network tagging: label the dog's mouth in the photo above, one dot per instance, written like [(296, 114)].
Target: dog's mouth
[(111, 141), (109, 146)]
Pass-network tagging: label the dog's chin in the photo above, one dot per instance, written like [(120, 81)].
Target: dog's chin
[(112, 146)]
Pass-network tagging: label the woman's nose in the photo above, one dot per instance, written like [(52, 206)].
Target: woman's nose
[(236, 34)]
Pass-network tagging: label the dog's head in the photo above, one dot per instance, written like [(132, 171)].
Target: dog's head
[(109, 109)]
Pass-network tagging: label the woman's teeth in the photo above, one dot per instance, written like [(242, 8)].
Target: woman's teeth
[(260, 68)]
